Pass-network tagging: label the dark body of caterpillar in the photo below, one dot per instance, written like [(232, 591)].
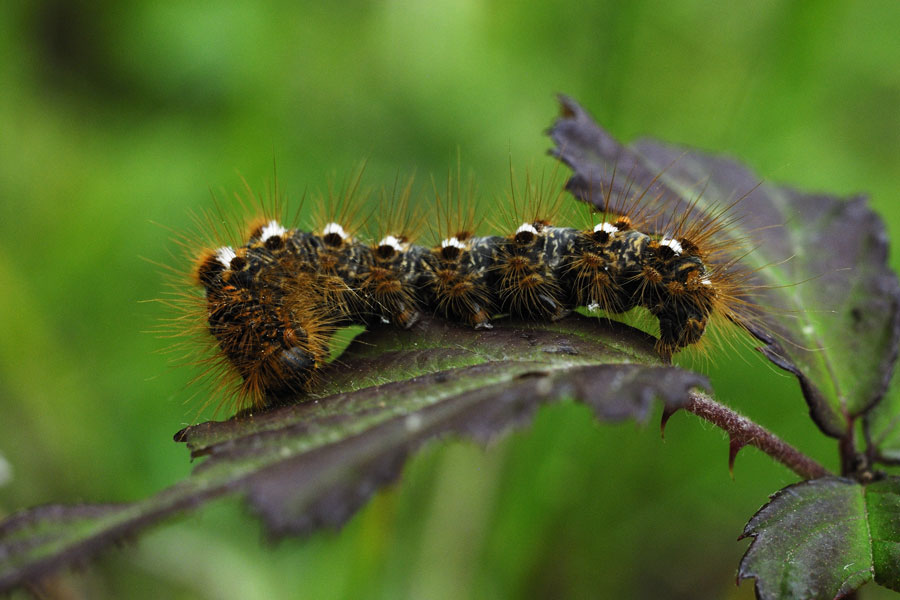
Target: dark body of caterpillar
[(273, 303)]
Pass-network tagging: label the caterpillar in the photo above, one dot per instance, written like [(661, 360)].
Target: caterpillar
[(272, 302)]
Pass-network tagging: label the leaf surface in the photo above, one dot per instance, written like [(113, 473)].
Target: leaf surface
[(314, 463), (818, 264), (824, 538)]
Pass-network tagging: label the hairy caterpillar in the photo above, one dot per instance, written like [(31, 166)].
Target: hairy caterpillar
[(273, 301)]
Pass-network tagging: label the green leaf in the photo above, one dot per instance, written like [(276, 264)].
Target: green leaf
[(314, 463), (830, 301), (824, 538)]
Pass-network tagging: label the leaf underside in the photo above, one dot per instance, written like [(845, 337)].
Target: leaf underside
[(830, 303), (825, 538), (314, 463)]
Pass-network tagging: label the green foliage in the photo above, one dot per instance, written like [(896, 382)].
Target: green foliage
[(129, 117), (315, 462)]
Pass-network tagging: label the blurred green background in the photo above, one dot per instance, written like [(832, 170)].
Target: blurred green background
[(116, 117)]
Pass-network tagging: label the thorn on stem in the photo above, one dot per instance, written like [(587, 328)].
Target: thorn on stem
[(667, 413), (734, 446)]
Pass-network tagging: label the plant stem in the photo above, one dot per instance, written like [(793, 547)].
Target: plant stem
[(744, 432), (847, 451)]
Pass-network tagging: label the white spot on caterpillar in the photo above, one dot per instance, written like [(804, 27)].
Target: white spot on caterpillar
[(224, 255), (593, 307), (454, 242), (606, 228), (527, 227), (673, 244), (392, 242), (335, 228), (272, 229), (706, 282)]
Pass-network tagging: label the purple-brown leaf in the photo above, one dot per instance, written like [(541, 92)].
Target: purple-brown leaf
[(830, 305)]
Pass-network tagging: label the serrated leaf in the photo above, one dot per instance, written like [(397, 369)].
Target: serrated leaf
[(314, 463), (832, 304), (824, 538)]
